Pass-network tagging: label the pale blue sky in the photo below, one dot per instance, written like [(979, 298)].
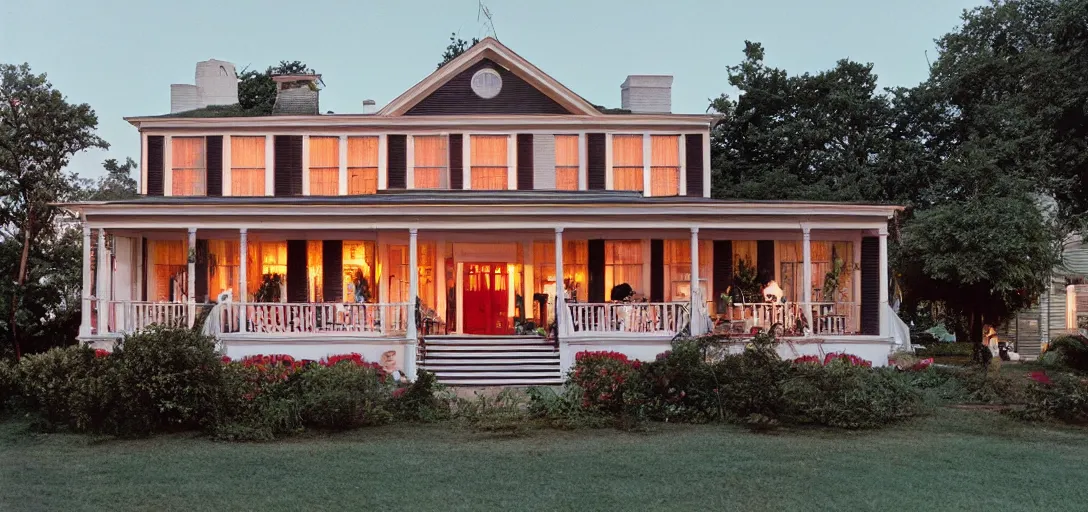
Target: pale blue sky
[(122, 56)]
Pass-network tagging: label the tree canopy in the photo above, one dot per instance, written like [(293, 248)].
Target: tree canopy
[(257, 91), (456, 47)]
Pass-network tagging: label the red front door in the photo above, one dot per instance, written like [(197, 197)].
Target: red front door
[(485, 298)]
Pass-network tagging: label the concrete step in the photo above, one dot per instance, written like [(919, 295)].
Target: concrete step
[(501, 382), (489, 348), (489, 361), (537, 374), (479, 340), (476, 369)]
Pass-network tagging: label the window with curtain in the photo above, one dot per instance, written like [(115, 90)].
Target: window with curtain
[(359, 265), (247, 166), (430, 162), (324, 166), (566, 162), (678, 269), (664, 165), (266, 262), (223, 266), (489, 162), (169, 270), (824, 254), (627, 162), (362, 165), (315, 271), (575, 268), (623, 264), (398, 275), (188, 166)]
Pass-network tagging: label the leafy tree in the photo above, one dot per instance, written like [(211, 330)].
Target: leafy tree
[(39, 132), (117, 184), (257, 91), (456, 47)]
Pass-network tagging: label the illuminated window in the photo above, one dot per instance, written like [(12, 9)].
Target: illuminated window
[(627, 162), (169, 270), (429, 157), (189, 171), (359, 272), (324, 166), (566, 162), (665, 165), (223, 264), (623, 264), (678, 269), (489, 162), (247, 166), (362, 165), (575, 264)]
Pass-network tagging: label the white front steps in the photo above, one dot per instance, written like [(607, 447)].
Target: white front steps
[(492, 361)]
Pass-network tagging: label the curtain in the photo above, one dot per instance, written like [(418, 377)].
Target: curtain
[(430, 161), (678, 269), (362, 165), (566, 162), (247, 166), (425, 261), (489, 162), (665, 165), (575, 267), (223, 265), (623, 264), (324, 166), (315, 259), (189, 168), (169, 264), (265, 258), (627, 162)]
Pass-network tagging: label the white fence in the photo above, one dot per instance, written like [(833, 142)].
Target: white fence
[(303, 318), (132, 316), (666, 318), (827, 318)]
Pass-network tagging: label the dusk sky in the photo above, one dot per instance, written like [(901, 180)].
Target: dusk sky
[(122, 56)]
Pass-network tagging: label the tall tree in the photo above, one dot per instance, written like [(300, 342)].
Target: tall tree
[(456, 47), (257, 91), (117, 184), (39, 132)]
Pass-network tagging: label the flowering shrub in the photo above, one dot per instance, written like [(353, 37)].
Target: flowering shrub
[(847, 359), (809, 359), (845, 394), (1061, 396), (64, 387), (605, 378)]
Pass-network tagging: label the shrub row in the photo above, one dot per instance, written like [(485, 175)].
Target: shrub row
[(695, 382), (946, 349), (1061, 396), (165, 380), (1068, 352)]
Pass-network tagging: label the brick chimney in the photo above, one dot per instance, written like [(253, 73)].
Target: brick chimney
[(647, 94), (296, 95)]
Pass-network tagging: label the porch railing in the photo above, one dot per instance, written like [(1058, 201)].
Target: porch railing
[(667, 318), (827, 318), (132, 316), (304, 318)]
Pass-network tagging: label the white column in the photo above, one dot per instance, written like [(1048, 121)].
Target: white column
[(527, 278), (697, 322), (413, 292), (85, 312), (102, 271), (138, 282), (242, 295), (560, 295), (885, 331), (269, 165), (466, 162), (706, 164), (343, 146), (806, 273), (305, 165), (190, 287), (647, 154)]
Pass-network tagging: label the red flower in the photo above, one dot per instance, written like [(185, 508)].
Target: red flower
[(1041, 377), (810, 359), (399, 392), (100, 353)]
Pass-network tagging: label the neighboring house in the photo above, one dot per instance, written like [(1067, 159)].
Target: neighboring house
[(1059, 309), (494, 197)]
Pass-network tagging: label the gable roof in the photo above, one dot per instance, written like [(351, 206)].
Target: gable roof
[(491, 49)]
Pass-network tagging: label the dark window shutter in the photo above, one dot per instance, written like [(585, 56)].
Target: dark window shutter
[(397, 162), (332, 270), (595, 157), (595, 259), (201, 269), (288, 165), (657, 271), (870, 285), (457, 162), (765, 261), (694, 162), (722, 267), (214, 145), (155, 161), (525, 161), (297, 291)]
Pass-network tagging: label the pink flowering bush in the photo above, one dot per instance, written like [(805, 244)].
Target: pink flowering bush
[(1060, 395), (607, 380)]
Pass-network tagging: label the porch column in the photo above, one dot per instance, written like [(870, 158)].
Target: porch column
[(85, 312), (413, 293), (806, 274), (885, 331), (102, 269), (243, 255), (697, 321), (560, 287), (190, 286)]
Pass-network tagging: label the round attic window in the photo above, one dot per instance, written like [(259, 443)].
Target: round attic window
[(486, 83)]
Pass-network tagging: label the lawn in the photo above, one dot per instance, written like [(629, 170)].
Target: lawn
[(952, 460)]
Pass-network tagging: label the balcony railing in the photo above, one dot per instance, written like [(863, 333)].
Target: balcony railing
[(314, 318), (828, 318), (132, 316), (663, 318)]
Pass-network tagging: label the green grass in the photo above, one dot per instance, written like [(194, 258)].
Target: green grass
[(953, 460)]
